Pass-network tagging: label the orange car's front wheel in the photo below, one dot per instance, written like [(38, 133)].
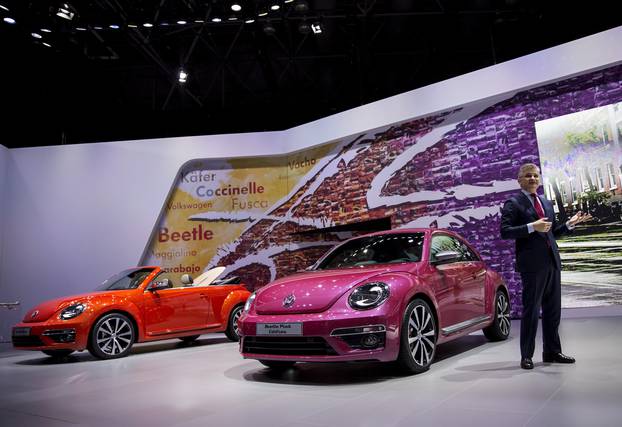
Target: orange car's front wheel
[(112, 337)]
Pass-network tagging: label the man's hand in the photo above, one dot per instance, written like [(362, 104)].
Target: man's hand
[(542, 225), (579, 217)]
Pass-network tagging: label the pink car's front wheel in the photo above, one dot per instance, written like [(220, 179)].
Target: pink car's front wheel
[(417, 338)]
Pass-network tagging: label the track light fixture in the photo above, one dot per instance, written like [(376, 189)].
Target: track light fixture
[(304, 28), (269, 29), (182, 77), (66, 11), (317, 28), (301, 6)]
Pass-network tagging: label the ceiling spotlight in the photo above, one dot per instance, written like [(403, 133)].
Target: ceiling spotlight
[(46, 30), (301, 6), (269, 29), (114, 26), (249, 21), (132, 26), (98, 28), (36, 35), (233, 18), (164, 24), (66, 11), (262, 13), (275, 7), (80, 29), (199, 21), (317, 28), (304, 28), (288, 1), (181, 22), (216, 19), (236, 7), (46, 44), (183, 76), (4, 8), (9, 20), (147, 25)]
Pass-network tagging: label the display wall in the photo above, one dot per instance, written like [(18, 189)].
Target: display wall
[(451, 170), (76, 214)]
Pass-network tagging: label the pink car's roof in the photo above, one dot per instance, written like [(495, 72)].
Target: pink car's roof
[(408, 230)]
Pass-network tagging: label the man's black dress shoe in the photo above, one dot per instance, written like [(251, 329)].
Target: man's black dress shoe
[(556, 358), (526, 363)]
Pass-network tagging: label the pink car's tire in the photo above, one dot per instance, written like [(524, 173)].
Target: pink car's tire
[(417, 338), (499, 330)]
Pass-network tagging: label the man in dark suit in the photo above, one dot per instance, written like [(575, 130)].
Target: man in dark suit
[(529, 219)]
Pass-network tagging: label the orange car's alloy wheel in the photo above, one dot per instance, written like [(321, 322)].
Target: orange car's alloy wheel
[(233, 331), (112, 337)]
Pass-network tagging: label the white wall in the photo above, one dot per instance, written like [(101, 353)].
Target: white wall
[(76, 214), (4, 155)]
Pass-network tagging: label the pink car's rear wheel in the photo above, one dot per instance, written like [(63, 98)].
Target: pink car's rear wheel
[(499, 330), (417, 337)]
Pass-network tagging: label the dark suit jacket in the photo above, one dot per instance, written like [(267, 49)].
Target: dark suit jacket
[(533, 254)]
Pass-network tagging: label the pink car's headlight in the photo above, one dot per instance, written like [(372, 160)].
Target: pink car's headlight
[(369, 295), (249, 302)]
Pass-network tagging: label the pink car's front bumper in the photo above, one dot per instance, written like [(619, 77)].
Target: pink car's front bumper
[(331, 336)]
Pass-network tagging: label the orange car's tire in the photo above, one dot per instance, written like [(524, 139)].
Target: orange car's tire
[(112, 337), (417, 338), (278, 364), (191, 338), (58, 353), (232, 331)]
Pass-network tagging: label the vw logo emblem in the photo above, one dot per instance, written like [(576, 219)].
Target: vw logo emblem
[(289, 300), (34, 314)]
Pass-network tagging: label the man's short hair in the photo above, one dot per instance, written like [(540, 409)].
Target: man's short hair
[(526, 167)]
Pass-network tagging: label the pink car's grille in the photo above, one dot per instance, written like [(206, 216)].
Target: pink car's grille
[(287, 346)]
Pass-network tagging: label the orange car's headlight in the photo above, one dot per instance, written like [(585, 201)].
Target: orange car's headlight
[(72, 311)]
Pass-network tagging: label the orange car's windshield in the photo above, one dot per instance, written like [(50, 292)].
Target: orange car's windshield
[(380, 249), (127, 279)]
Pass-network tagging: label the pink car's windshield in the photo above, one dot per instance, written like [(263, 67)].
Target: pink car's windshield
[(380, 249)]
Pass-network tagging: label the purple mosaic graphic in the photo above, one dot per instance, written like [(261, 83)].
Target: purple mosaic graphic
[(453, 170)]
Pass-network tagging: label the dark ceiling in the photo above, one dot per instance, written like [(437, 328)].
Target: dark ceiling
[(97, 83)]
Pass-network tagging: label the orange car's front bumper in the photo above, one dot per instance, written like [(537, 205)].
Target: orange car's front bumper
[(53, 334)]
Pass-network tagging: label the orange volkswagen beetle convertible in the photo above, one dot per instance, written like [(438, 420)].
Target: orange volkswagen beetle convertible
[(137, 305)]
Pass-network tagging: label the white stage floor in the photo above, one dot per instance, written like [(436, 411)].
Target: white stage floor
[(472, 383)]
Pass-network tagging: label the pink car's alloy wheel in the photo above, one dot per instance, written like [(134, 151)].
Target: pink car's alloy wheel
[(500, 327), (503, 313), (421, 333), (417, 337)]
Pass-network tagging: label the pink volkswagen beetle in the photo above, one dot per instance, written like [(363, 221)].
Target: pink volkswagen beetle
[(388, 296)]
